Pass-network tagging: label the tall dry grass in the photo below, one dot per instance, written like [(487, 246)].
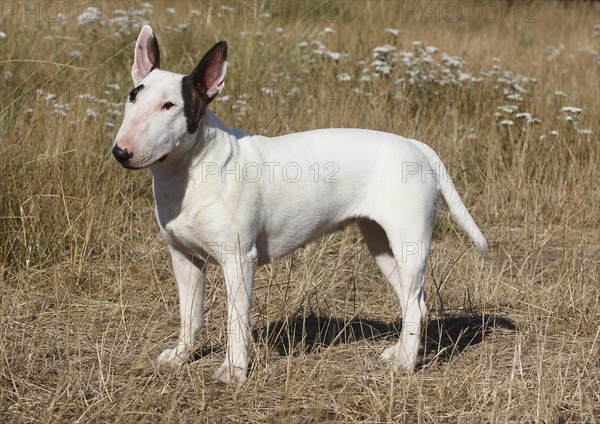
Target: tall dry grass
[(87, 295)]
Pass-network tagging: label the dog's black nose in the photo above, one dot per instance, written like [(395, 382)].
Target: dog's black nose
[(122, 155)]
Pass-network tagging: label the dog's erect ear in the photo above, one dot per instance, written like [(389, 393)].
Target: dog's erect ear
[(146, 57), (209, 75)]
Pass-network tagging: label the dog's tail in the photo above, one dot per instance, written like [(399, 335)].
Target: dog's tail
[(457, 208)]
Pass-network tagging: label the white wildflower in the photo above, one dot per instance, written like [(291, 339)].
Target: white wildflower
[(293, 92), (515, 97), (333, 55), (508, 109), (320, 50), (90, 14), (382, 67), (467, 77), (452, 61), (571, 110), (345, 77), (518, 88), (524, 115), (383, 50)]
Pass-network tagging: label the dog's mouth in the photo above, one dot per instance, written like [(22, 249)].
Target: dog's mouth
[(136, 167)]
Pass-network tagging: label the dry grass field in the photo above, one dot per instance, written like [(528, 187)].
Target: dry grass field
[(507, 93)]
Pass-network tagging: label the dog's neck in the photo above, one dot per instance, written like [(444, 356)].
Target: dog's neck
[(213, 141)]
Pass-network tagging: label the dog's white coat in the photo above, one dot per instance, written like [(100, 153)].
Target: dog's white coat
[(234, 199)]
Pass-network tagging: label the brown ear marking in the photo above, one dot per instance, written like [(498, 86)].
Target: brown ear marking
[(195, 86), (209, 68), (194, 104), (153, 52)]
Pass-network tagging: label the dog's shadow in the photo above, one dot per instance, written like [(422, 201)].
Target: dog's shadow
[(443, 337)]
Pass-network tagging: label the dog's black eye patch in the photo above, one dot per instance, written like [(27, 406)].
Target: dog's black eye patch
[(134, 92)]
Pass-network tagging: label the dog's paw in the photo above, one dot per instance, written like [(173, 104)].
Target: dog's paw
[(230, 375), (172, 357), (403, 369), (390, 354), (400, 364)]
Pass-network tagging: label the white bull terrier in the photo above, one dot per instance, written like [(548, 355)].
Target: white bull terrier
[(227, 197)]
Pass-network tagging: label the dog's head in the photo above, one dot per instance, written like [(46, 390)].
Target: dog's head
[(164, 107)]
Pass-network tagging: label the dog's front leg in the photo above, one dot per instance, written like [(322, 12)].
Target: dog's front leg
[(239, 275), (189, 273)]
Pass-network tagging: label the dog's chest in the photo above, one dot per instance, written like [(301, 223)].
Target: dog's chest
[(187, 226), (178, 232), (186, 236)]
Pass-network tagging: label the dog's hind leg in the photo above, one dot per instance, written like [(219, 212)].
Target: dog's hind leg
[(403, 265)]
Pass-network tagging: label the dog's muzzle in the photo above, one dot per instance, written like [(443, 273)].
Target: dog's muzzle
[(121, 155)]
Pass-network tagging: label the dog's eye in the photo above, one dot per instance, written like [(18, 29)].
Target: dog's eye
[(168, 105)]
